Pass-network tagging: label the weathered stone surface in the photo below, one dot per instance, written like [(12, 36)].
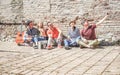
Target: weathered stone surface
[(22, 60), (62, 12), (7, 33)]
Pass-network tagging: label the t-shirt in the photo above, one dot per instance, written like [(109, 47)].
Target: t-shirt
[(54, 32), (33, 31), (89, 33), (75, 33)]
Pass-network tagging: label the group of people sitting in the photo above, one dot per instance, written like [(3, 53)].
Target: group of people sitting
[(75, 37)]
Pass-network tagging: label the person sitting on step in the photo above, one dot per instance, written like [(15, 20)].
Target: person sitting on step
[(33, 33), (88, 34), (73, 36), (54, 35)]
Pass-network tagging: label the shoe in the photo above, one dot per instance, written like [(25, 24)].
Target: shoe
[(59, 46), (19, 44), (30, 44), (81, 47), (49, 47), (67, 48), (92, 47), (35, 47)]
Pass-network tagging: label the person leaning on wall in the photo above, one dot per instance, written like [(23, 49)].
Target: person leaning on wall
[(88, 35)]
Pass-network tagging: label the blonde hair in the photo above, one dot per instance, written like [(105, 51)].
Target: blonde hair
[(40, 25)]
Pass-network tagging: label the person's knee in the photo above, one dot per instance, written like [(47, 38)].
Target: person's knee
[(96, 42), (77, 41), (35, 39), (50, 38), (65, 41), (80, 42)]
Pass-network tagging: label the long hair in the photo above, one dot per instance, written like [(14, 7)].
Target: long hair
[(41, 25)]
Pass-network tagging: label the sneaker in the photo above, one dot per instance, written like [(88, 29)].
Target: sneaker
[(30, 44), (81, 47), (19, 44), (92, 47), (49, 47), (67, 48), (59, 46), (35, 47)]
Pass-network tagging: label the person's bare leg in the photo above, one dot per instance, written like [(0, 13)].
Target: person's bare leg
[(49, 43)]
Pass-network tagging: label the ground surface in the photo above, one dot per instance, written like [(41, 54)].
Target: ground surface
[(16, 60)]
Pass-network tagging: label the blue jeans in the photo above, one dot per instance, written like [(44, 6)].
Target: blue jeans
[(36, 39), (71, 42)]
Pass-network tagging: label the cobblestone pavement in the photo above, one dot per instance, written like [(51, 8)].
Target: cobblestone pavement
[(16, 60)]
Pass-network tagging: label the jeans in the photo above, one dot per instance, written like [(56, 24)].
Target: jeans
[(54, 40), (71, 42), (36, 39)]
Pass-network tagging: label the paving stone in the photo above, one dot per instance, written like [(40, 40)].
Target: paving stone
[(60, 61)]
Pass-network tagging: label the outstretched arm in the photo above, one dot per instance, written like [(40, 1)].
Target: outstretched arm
[(102, 20)]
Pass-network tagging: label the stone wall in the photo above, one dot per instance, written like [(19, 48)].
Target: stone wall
[(62, 12)]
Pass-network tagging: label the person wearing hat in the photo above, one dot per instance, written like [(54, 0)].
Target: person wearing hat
[(33, 33)]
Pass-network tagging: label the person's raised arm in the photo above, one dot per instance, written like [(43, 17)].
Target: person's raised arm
[(98, 23)]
